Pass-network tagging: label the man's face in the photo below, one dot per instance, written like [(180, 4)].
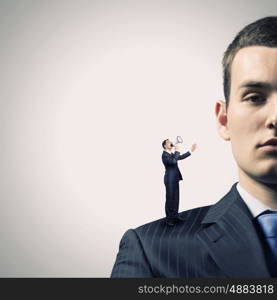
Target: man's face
[(250, 119), (168, 145)]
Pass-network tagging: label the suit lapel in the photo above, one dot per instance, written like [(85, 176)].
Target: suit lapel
[(229, 235)]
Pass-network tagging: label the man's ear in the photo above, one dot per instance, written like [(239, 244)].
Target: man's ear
[(222, 121)]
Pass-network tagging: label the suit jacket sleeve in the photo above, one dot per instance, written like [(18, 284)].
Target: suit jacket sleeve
[(172, 160), (185, 155), (131, 260)]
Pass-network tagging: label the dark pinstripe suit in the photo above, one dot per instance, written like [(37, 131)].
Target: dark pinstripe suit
[(219, 240), (172, 177)]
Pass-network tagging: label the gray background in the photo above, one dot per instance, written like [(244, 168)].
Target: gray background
[(89, 89)]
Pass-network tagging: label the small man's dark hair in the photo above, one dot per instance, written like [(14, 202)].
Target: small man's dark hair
[(163, 143), (262, 32)]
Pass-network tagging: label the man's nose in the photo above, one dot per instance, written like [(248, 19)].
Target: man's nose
[(272, 116)]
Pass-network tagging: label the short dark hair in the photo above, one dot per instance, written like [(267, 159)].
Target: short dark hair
[(262, 32), (164, 142)]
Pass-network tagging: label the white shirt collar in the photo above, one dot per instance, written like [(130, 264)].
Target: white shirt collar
[(255, 206)]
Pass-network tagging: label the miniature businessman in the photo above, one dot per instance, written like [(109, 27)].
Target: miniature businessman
[(171, 180)]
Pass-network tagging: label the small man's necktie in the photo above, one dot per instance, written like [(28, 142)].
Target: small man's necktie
[(268, 224)]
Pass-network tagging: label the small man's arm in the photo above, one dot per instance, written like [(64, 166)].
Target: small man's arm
[(188, 153), (184, 155)]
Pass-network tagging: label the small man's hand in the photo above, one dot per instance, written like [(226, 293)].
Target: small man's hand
[(193, 147)]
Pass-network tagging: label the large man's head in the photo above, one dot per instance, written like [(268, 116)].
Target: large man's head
[(248, 117)]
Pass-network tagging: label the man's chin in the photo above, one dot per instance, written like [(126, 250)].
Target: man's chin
[(265, 171), (269, 176)]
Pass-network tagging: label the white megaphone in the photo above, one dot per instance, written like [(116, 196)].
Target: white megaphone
[(179, 140)]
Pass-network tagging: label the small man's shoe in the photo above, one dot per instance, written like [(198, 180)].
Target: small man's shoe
[(170, 222), (179, 219)]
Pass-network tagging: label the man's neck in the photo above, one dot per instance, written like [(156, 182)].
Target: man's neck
[(266, 193)]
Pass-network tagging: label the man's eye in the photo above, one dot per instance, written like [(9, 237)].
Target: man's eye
[(256, 99)]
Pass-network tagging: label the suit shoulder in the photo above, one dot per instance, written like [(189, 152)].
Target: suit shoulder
[(191, 216), (197, 213)]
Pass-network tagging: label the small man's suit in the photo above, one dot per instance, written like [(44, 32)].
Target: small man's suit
[(171, 180)]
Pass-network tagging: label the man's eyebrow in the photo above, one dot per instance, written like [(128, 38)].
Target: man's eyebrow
[(256, 84)]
